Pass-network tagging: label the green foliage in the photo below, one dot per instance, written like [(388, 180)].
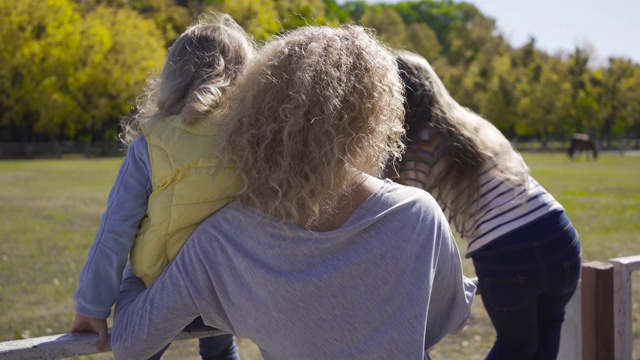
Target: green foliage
[(170, 18), (539, 112), (356, 9), (259, 18), (263, 19), (336, 13), (473, 38), (441, 16), (617, 96), (136, 51), (41, 62), (296, 13), (64, 72), (69, 69), (388, 24), (423, 40)]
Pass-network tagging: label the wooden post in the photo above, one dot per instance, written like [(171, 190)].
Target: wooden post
[(597, 311), (622, 297)]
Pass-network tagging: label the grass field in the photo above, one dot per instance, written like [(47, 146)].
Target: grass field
[(50, 210)]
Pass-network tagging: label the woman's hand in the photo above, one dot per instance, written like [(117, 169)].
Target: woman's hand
[(84, 323)]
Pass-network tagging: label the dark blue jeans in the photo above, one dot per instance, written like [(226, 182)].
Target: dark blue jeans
[(526, 278), (222, 347)]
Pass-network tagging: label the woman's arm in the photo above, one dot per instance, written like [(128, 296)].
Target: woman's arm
[(146, 320), (452, 293)]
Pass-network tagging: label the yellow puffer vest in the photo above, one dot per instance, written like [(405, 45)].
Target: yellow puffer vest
[(189, 184)]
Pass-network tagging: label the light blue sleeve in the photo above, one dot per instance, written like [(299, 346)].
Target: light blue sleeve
[(100, 277), (146, 320)]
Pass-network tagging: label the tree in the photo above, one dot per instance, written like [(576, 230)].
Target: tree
[(296, 13), (615, 83), (473, 37), (584, 83), (47, 49), (72, 68), (482, 77), (355, 9), (630, 95), (65, 73), (442, 16), (258, 18), (388, 24), (136, 51), (499, 102), (544, 100), (335, 13), (423, 40), (171, 17)]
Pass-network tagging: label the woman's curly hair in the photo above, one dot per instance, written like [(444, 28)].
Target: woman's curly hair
[(472, 145), (314, 107), (201, 64)]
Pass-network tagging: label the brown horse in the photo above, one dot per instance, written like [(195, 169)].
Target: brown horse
[(582, 142)]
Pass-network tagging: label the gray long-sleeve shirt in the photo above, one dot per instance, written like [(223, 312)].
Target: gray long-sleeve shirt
[(386, 284)]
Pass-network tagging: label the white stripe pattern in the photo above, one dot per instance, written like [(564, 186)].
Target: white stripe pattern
[(503, 208)]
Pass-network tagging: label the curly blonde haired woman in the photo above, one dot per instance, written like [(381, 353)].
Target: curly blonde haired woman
[(170, 179), (525, 251), (316, 259)]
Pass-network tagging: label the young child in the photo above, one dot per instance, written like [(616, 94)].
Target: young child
[(171, 178), (525, 250)]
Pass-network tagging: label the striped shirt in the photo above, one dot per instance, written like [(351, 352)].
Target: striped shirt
[(503, 208)]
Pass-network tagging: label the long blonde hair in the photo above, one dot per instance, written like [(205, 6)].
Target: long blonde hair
[(315, 105), (471, 144), (201, 64)]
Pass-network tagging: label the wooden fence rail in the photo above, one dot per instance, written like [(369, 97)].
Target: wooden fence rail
[(69, 345)]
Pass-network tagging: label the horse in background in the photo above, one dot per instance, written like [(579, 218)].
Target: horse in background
[(582, 142)]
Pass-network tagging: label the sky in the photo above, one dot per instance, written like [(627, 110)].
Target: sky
[(612, 27)]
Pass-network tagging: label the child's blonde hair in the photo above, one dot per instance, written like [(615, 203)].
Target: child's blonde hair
[(201, 64), (472, 144), (315, 104)]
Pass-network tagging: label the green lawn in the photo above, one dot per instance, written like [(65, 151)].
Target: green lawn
[(50, 210)]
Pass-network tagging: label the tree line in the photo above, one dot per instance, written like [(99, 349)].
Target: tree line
[(69, 70)]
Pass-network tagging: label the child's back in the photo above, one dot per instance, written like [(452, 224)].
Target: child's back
[(189, 183), (172, 177)]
